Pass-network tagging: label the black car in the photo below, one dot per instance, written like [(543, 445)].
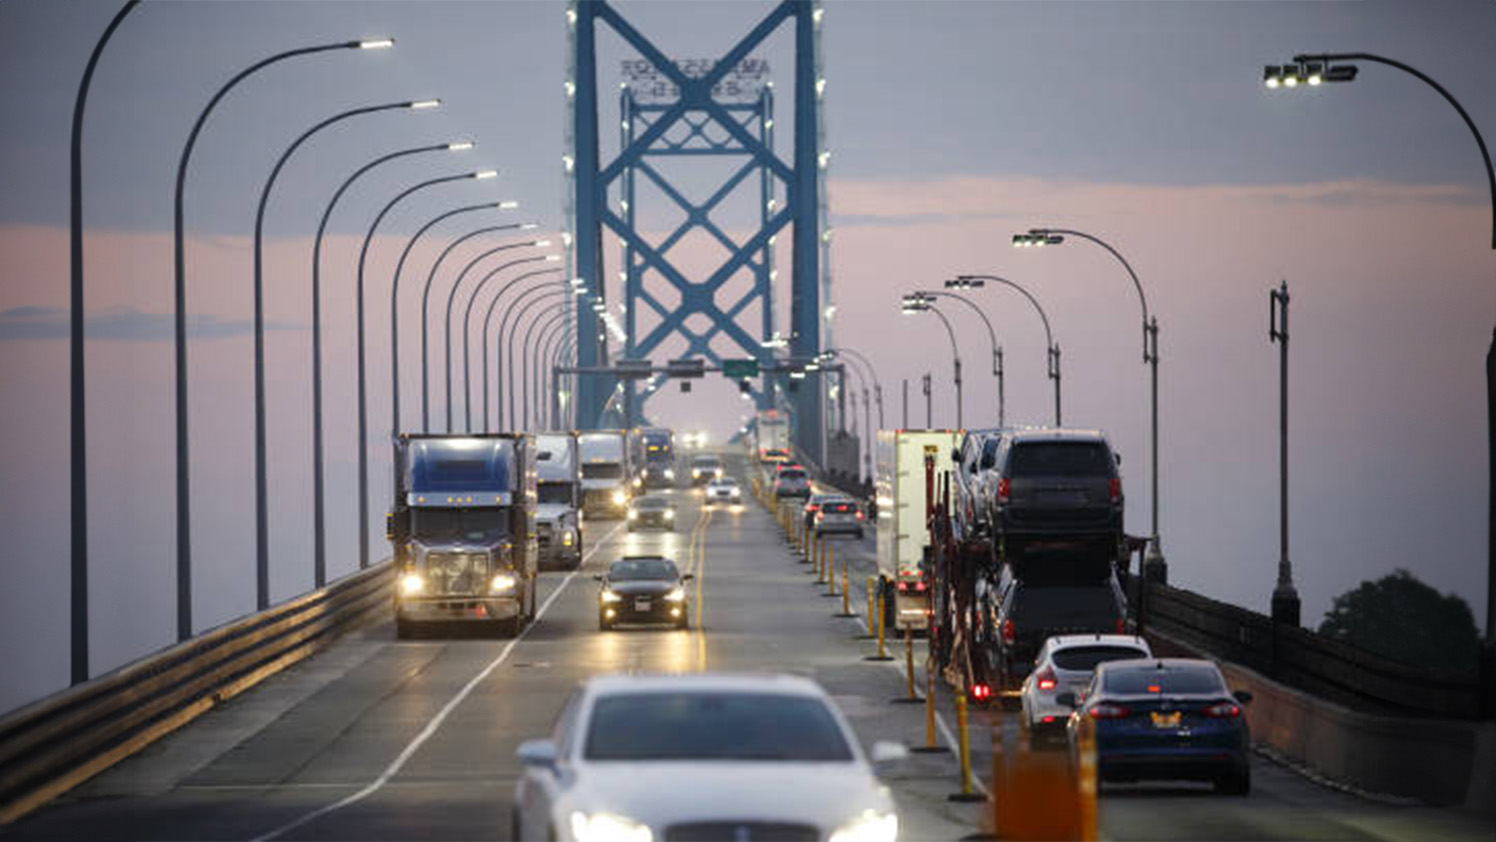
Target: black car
[(651, 512), (643, 589), (1164, 719), (1028, 613), (1053, 488)]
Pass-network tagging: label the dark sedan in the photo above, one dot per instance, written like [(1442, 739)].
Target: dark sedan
[(1164, 719), (643, 589), (651, 512)]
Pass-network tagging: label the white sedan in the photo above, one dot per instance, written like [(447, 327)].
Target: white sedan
[(1064, 665), (641, 758), (724, 490)]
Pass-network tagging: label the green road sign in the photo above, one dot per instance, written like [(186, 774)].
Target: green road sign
[(739, 369)]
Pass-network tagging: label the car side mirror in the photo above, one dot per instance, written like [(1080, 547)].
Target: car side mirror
[(1243, 696), (537, 753), (886, 753), (1067, 700), (686, 577)]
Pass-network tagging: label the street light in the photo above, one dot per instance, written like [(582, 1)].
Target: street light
[(997, 350), (179, 288), (917, 303), (319, 514), (1052, 369), (394, 301), (262, 518), (362, 409), (504, 364), (467, 318), (426, 296), (552, 312), (78, 420), (1154, 566), (447, 322), (545, 342), (1346, 73)]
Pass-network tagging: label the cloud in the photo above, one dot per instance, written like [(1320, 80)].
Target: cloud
[(121, 324)]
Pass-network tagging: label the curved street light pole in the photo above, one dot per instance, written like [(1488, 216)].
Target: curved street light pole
[(504, 361), (872, 373), (362, 408), (262, 518), (565, 352), (997, 350), (319, 513), (544, 322), (467, 317), (554, 340), (395, 299), (467, 409), (179, 288), (78, 420), (929, 306), (524, 364), (1154, 566), (426, 295), (1053, 367)]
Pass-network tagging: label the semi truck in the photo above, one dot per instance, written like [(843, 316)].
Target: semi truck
[(903, 493), (605, 474), (558, 513), (462, 530), (772, 436), (652, 451)]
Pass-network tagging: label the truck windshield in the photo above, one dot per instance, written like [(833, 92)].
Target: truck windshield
[(461, 466), (555, 492), (479, 526), (602, 470)]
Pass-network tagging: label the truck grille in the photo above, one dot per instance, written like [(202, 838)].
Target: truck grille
[(454, 574)]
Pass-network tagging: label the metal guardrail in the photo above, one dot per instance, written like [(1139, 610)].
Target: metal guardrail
[(52, 745), (1329, 669)]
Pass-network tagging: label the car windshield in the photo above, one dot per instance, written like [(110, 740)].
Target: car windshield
[(706, 462), (1060, 459), (602, 470), (554, 492), (1085, 658), (483, 526), (725, 482), (634, 569), (714, 726), (650, 503), (1169, 681), (791, 475)]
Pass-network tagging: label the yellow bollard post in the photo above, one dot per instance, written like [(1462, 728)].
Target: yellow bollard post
[(882, 650), (963, 746), (846, 591), (830, 571), (930, 746), (871, 585), (909, 662)]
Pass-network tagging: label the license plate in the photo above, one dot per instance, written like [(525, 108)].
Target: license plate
[(1165, 720), (643, 605)]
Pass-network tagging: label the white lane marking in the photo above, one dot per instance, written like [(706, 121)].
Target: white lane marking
[(441, 716)]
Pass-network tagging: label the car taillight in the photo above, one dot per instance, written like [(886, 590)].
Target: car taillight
[(981, 692), (1115, 487), (1046, 679), (859, 515), (1004, 490), (1121, 625), (1223, 710), (811, 507), (1107, 711), (1009, 634)]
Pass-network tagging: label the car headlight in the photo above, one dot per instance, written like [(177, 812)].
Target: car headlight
[(619, 498), (502, 583), (871, 826), (669, 474), (695, 474), (609, 596), (412, 583), (633, 513), (638, 481), (607, 826), (669, 514), (677, 595)]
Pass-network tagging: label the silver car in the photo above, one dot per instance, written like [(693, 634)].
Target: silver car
[(1064, 665), (702, 757), (725, 490)]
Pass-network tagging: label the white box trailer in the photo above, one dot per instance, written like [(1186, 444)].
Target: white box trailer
[(903, 535)]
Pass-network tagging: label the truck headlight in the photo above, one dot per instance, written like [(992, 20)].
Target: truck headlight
[(638, 481), (871, 826), (677, 595), (568, 538), (633, 513), (502, 583), (669, 474), (412, 583), (619, 498), (609, 596), (695, 474), (607, 826), (669, 514)]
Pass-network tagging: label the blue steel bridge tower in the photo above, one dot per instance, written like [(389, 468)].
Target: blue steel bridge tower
[(678, 110)]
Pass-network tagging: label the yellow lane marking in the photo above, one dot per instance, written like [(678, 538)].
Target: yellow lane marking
[(698, 566)]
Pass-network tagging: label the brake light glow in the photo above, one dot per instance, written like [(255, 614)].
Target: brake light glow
[(1121, 625), (811, 507), (981, 692), (859, 515), (1046, 679), (1047, 720), (1009, 634), (1154, 688), (1223, 710), (1116, 489), (1004, 490), (1107, 711)]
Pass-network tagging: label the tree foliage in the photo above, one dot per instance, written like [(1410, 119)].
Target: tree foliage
[(1401, 618)]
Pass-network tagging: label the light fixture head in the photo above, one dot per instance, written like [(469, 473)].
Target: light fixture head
[(1314, 72), (423, 104), (375, 43), (579, 282), (552, 258), (541, 243), (459, 146), (482, 174), (528, 226), (506, 204), (1272, 76)]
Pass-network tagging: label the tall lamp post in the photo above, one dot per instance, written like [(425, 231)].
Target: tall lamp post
[(319, 467), (918, 304), (363, 398), (1285, 605), (1312, 69), (78, 421), (1052, 369), (467, 318), (179, 288), (551, 335), (262, 517), (997, 350), (426, 295), (505, 364), (1154, 566), (543, 319)]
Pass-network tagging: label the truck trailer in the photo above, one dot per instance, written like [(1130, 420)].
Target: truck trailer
[(605, 473), (903, 497), (558, 515)]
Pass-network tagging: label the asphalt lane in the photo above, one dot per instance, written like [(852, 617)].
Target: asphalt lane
[(384, 739)]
